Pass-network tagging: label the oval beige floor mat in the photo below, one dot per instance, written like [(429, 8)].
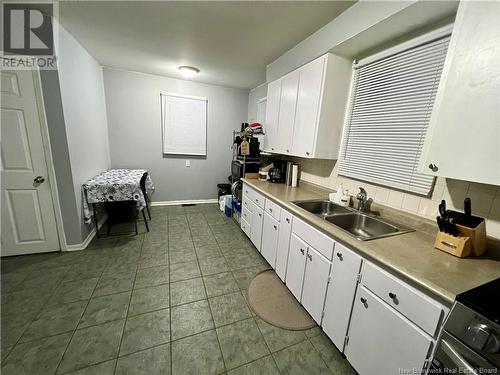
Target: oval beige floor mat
[(271, 300)]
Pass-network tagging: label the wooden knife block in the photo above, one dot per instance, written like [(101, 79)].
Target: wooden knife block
[(459, 246), (477, 236)]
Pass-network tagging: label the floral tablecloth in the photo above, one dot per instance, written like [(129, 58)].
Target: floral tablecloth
[(115, 185)]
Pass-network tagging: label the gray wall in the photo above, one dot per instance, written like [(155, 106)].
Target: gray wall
[(84, 108), (255, 94), (133, 112)]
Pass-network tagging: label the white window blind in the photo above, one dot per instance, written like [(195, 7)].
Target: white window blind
[(184, 124), (388, 114)]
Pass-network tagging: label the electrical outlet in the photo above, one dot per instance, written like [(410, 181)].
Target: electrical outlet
[(188, 163)]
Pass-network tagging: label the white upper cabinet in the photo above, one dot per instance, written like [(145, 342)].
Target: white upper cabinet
[(308, 101), (288, 104), (272, 115), (463, 139), (308, 119)]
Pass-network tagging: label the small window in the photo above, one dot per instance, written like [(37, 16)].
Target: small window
[(389, 110), (184, 124)]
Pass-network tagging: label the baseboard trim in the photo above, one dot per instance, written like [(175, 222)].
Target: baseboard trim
[(190, 201), (90, 237)]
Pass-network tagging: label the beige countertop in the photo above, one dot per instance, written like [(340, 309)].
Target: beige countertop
[(411, 256)]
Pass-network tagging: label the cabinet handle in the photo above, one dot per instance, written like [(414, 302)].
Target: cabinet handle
[(287, 220), (275, 227), (339, 255), (256, 200), (260, 215), (307, 153), (433, 167), (270, 210), (246, 191), (287, 150), (363, 300), (272, 148), (310, 257), (392, 295), (302, 251)]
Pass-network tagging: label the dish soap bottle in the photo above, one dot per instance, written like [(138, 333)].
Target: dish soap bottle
[(345, 198)]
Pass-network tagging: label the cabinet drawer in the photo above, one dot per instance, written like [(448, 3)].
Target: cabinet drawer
[(273, 209), (416, 306), (246, 214), (247, 203), (245, 227), (321, 243), (254, 196)]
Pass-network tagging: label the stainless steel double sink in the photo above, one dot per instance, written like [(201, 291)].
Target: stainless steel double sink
[(360, 225)]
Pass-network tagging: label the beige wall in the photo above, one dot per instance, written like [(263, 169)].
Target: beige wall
[(485, 198)]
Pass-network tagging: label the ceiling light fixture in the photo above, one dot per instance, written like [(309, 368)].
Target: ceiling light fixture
[(188, 71)]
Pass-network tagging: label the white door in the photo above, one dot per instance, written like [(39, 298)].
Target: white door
[(272, 115), (315, 283), (382, 341), (340, 295), (289, 87), (308, 101), (28, 219), (296, 266), (283, 243), (256, 226), (270, 230)]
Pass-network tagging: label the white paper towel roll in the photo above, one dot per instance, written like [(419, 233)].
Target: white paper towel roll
[(295, 175)]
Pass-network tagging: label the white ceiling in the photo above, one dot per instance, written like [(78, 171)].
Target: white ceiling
[(231, 42)]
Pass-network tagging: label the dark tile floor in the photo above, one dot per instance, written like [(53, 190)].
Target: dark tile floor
[(171, 301)]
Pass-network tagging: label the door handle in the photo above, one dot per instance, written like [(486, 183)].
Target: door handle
[(302, 251), (310, 257), (39, 180)]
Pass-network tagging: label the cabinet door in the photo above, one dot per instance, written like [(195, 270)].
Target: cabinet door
[(272, 116), (283, 243), (256, 226), (463, 139), (307, 112), (382, 341), (270, 231), (288, 102), (340, 295), (315, 284), (296, 266)]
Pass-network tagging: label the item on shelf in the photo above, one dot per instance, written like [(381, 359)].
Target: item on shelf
[(288, 175), (295, 175), (252, 176), (263, 175), (460, 233), (276, 175)]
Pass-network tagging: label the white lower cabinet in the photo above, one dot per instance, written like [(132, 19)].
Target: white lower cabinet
[(296, 266), (341, 291), (256, 226), (382, 341), (315, 283), (283, 243), (269, 243)]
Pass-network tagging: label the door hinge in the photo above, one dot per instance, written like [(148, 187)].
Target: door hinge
[(358, 278), (346, 341), (329, 279), (426, 363)]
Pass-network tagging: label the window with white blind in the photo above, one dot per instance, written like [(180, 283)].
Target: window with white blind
[(392, 96)]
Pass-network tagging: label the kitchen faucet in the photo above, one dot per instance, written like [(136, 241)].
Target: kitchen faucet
[(361, 197)]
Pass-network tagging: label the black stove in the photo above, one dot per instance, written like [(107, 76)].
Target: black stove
[(470, 339), (485, 300)]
